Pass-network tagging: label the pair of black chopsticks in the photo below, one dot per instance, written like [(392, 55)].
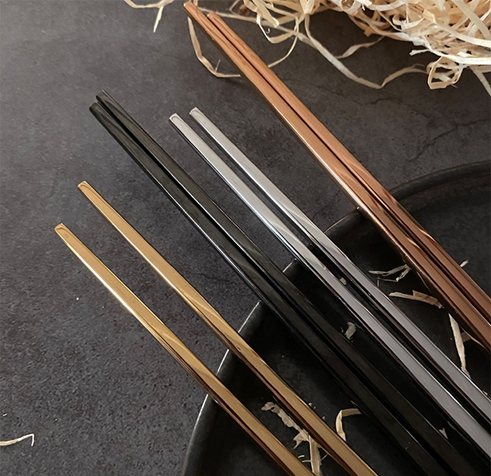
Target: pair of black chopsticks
[(371, 391)]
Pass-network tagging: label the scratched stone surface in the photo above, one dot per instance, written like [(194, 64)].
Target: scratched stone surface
[(98, 392)]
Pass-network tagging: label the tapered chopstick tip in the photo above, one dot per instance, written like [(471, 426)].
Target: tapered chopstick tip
[(175, 117), (195, 112), (189, 7), (62, 230), (83, 185)]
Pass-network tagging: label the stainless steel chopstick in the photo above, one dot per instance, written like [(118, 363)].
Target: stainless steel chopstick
[(204, 376), (455, 289), (456, 379), (452, 408), (293, 404)]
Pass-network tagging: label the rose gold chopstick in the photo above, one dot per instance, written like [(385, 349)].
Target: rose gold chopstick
[(460, 277), (416, 255)]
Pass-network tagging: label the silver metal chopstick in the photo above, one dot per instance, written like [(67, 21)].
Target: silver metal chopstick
[(453, 409), (427, 349)]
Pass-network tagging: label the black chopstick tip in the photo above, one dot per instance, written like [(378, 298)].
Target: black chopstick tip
[(102, 95), (95, 108)]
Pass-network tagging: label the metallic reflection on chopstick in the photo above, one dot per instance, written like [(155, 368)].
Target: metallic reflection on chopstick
[(371, 391), (455, 289), (453, 409), (204, 376), (454, 377), (292, 403)]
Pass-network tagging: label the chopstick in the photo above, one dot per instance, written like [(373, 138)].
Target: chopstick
[(292, 403), (202, 374), (412, 366), (455, 272), (454, 378), (465, 301), (272, 286)]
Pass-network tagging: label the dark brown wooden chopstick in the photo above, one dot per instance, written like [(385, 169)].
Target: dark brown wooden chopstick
[(465, 301), (353, 372), (202, 374)]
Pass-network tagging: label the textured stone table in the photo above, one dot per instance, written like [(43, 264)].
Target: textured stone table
[(100, 394)]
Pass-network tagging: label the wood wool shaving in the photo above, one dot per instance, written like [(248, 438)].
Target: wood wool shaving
[(18, 440), (456, 32), (302, 435), (417, 296)]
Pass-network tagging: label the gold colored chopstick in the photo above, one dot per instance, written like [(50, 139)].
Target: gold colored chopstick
[(204, 376), (293, 404), (415, 254)]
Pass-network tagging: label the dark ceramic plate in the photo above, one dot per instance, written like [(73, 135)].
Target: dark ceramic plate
[(454, 206)]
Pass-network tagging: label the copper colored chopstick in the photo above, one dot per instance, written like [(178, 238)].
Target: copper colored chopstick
[(453, 270), (457, 274), (293, 404), (456, 381), (204, 376), (455, 300)]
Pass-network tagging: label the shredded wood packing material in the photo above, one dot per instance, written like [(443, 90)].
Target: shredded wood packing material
[(456, 32), (302, 435), (18, 440)]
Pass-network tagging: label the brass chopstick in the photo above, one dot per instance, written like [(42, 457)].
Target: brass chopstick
[(204, 376), (415, 249), (293, 404)]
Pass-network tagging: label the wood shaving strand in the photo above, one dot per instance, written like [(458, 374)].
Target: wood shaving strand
[(466, 337), (315, 457), (384, 275), (417, 296), (459, 344), (302, 436), (17, 440), (285, 418), (288, 421), (350, 331), (339, 420), (390, 272)]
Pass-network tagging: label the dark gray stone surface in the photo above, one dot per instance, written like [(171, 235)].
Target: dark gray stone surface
[(101, 396)]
